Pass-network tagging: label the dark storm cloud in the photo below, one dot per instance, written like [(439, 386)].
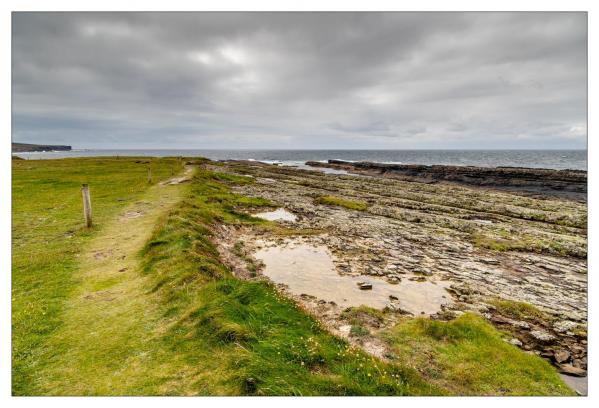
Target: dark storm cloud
[(300, 80)]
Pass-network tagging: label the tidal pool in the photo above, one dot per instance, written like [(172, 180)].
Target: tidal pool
[(308, 269), (280, 214), (486, 222), (327, 170)]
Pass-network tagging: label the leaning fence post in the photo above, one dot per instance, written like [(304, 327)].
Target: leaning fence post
[(87, 205), (149, 175)]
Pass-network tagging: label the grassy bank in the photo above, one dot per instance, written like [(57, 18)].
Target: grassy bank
[(264, 343), (48, 234)]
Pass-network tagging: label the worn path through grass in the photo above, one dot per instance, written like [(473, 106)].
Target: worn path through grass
[(102, 345), (48, 237)]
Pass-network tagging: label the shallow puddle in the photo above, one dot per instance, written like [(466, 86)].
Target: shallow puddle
[(327, 170), (280, 214), (578, 384), (308, 269), (486, 222)]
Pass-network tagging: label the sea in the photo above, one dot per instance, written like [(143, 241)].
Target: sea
[(549, 159)]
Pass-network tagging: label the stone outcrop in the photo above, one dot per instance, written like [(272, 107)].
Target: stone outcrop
[(563, 183), (484, 243)]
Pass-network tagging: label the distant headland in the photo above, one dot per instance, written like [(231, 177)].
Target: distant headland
[(29, 147)]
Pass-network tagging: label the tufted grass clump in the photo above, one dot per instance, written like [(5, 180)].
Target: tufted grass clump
[(468, 356)]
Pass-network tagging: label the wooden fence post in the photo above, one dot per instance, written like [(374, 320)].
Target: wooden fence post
[(87, 205), (149, 175)]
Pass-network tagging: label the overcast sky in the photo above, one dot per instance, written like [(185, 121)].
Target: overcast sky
[(300, 80)]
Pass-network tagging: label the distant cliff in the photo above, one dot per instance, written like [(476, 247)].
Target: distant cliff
[(28, 147)]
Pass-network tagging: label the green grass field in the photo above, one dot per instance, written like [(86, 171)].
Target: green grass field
[(142, 305), (48, 234)]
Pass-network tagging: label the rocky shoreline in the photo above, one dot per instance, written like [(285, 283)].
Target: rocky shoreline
[(570, 184), (485, 246)]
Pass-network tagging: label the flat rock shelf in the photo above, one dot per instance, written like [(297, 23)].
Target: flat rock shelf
[(432, 246)]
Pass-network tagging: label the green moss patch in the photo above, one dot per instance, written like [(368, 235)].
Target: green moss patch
[(342, 202), (517, 310)]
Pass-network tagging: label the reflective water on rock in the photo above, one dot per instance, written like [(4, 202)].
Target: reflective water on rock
[(280, 214), (327, 170), (486, 222), (308, 269), (578, 384)]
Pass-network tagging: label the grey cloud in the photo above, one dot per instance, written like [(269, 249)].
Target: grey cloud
[(376, 126), (300, 80)]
